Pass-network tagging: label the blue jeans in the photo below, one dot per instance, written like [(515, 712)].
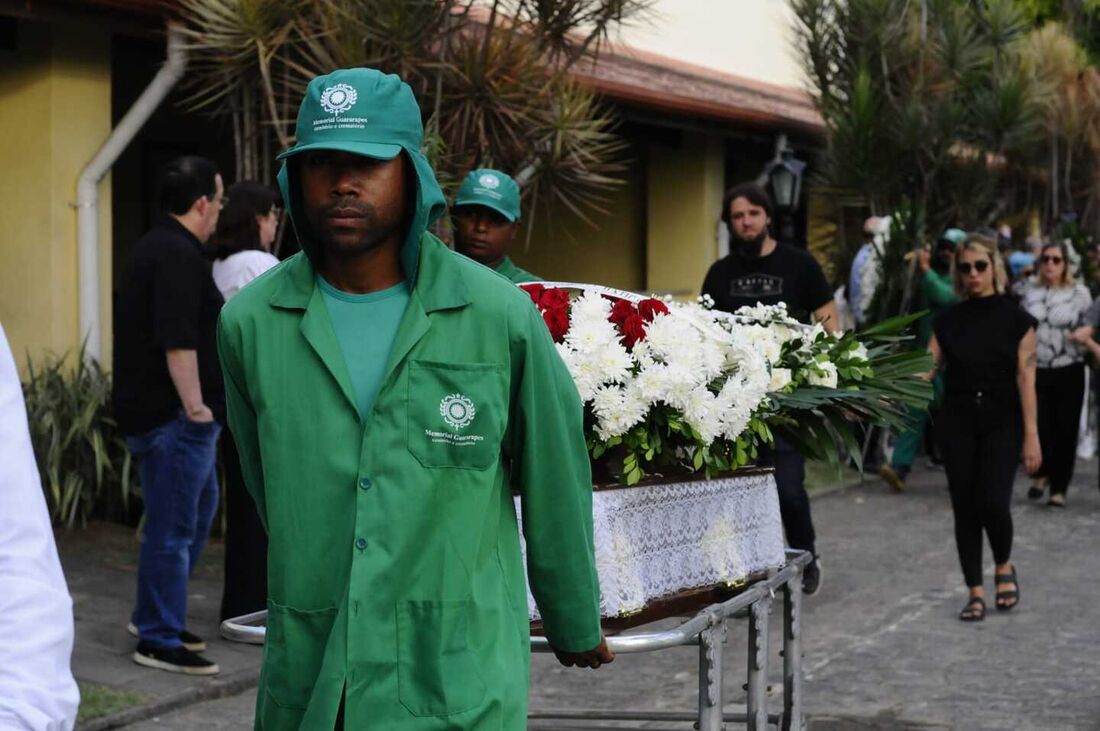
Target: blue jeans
[(176, 462)]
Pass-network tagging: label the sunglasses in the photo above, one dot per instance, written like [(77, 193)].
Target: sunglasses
[(978, 266), (1051, 259)]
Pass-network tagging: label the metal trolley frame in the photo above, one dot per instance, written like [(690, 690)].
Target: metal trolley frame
[(707, 631)]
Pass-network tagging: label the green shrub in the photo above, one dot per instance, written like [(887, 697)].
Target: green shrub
[(84, 464)]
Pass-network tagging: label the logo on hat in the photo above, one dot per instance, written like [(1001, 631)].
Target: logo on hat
[(338, 99), (457, 410), (491, 182)]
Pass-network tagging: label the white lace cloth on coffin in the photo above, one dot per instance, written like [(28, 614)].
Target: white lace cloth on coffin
[(655, 540)]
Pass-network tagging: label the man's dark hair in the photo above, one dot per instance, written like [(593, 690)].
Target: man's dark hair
[(184, 180), (237, 226), (751, 192)]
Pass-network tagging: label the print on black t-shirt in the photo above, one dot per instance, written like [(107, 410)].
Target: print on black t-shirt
[(756, 285), (788, 274)]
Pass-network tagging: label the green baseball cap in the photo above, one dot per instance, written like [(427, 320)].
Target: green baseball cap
[(492, 189), (955, 235), (361, 111)]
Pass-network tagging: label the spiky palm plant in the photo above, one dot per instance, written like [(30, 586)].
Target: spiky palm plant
[(492, 80), (931, 103), (82, 460)]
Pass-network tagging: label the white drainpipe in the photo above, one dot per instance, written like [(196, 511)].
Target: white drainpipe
[(87, 185)]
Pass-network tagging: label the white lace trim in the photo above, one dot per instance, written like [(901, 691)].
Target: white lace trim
[(656, 540)]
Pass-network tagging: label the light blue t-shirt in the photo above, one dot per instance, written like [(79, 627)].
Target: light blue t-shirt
[(365, 326)]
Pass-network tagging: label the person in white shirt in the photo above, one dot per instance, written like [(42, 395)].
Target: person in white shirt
[(243, 241), (37, 690), (1060, 304), (246, 232)]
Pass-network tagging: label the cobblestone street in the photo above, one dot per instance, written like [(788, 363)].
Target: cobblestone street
[(883, 649)]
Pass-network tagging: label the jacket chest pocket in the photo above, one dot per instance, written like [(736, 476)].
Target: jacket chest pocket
[(456, 413)]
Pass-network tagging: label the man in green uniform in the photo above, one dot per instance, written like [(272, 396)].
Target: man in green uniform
[(381, 388), (936, 293), (486, 219)]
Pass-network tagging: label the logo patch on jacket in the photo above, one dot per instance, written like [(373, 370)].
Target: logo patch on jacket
[(457, 410)]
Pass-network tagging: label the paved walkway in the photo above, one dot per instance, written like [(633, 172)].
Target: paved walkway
[(883, 649), (100, 565)]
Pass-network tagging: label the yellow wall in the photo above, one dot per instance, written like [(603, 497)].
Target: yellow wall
[(609, 251), (685, 186), (55, 111), (659, 235)]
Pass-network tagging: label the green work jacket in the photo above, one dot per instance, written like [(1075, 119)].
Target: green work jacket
[(394, 568), (507, 268), (936, 293)]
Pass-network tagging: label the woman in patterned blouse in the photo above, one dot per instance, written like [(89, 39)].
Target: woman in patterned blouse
[(1059, 304)]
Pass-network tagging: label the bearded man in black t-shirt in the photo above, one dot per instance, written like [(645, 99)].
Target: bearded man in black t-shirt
[(760, 269)]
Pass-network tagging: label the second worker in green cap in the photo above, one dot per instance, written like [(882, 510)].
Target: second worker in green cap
[(486, 217)]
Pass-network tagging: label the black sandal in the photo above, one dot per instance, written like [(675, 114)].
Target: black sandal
[(974, 611), (1035, 492), (1012, 595)]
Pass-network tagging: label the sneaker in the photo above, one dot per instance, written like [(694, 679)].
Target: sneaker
[(894, 477), (811, 577), (192, 642), (174, 660)]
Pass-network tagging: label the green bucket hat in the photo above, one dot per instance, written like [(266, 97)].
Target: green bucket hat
[(361, 111), (492, 189)]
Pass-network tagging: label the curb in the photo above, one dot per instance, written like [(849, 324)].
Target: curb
[(230, 685)]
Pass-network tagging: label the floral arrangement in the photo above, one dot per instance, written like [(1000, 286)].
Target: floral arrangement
[(675, 388)]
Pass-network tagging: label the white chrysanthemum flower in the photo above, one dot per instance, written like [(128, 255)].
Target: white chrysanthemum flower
[(588, 336), (590, 307), (664, 336), (616, 410), (613, 363), (698, 408), (586, 387), (650, 382)]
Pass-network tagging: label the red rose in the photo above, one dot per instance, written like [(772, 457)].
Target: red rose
[(534, 290), (554, 299), (633, 330), (650, 308), (622, 311), (557, 320)]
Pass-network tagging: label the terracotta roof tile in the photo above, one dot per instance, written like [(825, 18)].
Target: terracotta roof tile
[(630, 75)]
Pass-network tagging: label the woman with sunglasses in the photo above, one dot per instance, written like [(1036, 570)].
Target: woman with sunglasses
[(1059, 304), (246, 232), (986, 345)]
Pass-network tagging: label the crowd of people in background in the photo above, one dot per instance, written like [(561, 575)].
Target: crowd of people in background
[(1011, 330)]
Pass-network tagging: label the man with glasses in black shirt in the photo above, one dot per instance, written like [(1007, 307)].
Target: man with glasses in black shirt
[(169, 402), (760, 269)]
